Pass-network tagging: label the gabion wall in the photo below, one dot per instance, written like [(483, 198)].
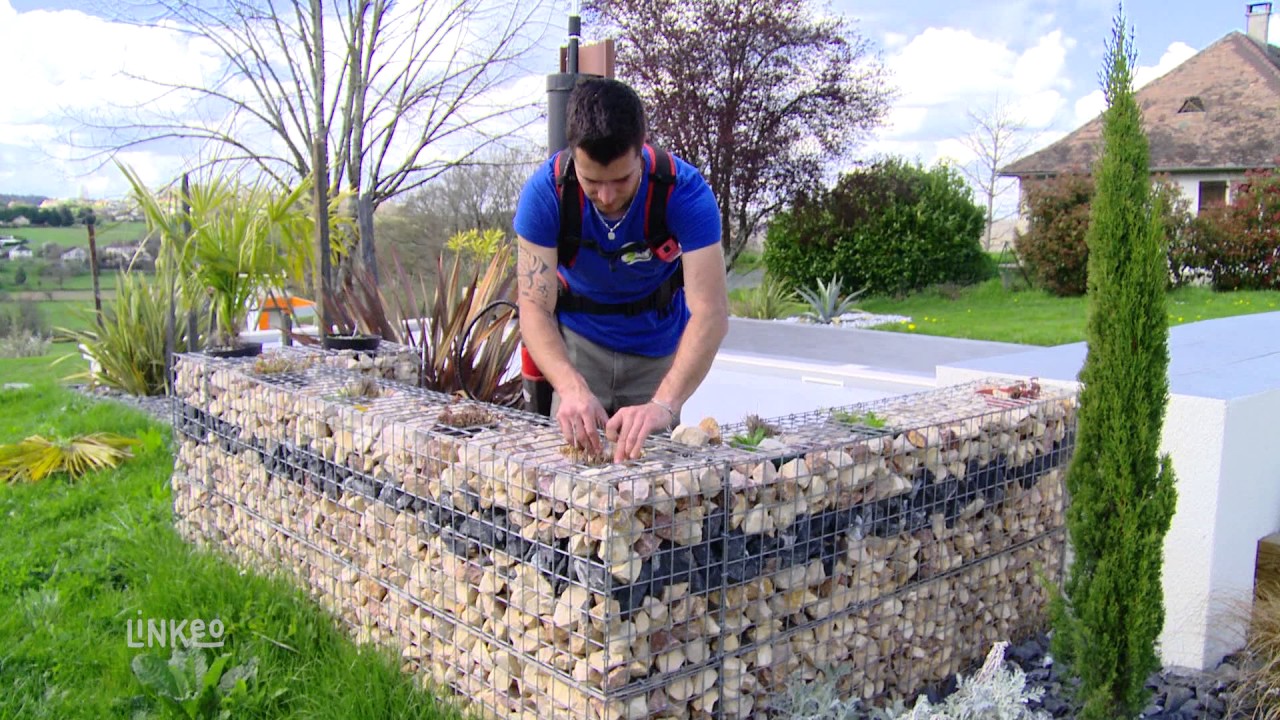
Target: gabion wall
[(693, 583)]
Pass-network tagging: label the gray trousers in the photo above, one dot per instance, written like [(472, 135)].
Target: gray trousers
[(616, 379)]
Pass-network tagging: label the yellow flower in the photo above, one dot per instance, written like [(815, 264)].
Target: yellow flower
[(911, 326)]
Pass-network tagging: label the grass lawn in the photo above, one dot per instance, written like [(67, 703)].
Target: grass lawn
[(79, 560), (68, 314), (989, 312), (106, 234)]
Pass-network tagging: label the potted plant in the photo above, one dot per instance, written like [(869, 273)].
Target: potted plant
[(356, 314), (231, 243)]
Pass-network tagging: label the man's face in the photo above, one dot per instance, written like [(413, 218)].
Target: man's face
[(610, 187)]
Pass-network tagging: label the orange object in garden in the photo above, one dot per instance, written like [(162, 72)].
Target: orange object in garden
[(272, 309)]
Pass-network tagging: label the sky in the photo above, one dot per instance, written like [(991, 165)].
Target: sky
[(1039, 58)]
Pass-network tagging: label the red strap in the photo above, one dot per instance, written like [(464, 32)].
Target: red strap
[(528, 368)]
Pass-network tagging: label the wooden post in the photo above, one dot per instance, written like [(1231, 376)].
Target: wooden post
[(171, 318), (1266, 572), (93, 268), (320, 174)]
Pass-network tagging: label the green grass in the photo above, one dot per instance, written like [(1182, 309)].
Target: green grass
[(77, 235), (747, 261), (67, 314), (79, 560), (35, 282), (989, 312)]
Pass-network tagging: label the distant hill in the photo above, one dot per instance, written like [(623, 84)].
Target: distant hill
[(22, 199)]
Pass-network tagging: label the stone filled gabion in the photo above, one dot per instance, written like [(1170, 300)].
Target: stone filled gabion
[(693, 583)]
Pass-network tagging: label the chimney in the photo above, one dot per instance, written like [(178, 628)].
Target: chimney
[(1257, 17)]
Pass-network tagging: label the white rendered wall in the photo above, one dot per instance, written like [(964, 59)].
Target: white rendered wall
[(1194, 432), (1248, 510), (1189, 184)]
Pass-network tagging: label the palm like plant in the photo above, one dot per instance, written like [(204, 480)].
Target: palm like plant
[(464, 347), (767, 301), (235, 242), (128, 346), (826, 303), (36, 457)]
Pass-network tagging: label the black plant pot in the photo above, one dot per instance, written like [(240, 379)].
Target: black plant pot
[(364, 343), (239, 350)]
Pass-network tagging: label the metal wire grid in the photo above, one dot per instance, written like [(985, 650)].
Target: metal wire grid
[(657, 648)]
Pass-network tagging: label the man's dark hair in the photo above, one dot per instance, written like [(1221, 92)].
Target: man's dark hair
[(605, 118)]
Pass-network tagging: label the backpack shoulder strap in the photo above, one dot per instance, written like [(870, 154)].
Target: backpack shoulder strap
[(662, 181), (571, 202)]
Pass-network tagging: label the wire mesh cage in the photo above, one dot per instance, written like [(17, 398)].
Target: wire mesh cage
[(897, 538)]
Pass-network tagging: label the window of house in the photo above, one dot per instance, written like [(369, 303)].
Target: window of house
[(1213, 193)]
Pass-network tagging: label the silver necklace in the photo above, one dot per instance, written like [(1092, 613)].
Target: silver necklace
[(613, 229)]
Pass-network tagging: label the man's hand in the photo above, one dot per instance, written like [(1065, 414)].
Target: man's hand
[(629, 427), (581, 417)]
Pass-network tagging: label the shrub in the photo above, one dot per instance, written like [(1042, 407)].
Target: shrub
[(891, 227), (23, 344), (1111, 610), (129, 347), (1176, 221), (36, 457), (29, 319), (1053, 247), (994, 692), (767, 301), (1235, 246), (466, 333)]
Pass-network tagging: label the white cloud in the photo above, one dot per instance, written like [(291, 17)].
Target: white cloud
[(945, 73), (1089, 107), (1173, 56), (1042, 66), (944, 64), (905, 120), (954, 150), (75, 64), (1037, 109), (894, 40)]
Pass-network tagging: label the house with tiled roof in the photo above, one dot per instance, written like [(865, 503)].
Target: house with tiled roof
[(1207, 121)]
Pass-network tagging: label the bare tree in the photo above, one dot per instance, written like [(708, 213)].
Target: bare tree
[(376, 96), (998, 137), (764, 96), (479, 196)]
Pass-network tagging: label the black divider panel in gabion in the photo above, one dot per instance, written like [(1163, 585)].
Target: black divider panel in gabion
[(691, 583)]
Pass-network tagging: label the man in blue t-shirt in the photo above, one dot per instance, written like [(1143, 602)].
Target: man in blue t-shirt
[(626, 372)]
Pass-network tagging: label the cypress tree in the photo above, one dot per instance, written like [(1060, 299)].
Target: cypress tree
[(1122, 491)]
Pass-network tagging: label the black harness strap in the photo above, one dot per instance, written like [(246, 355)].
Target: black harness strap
[(662, 181), (659, 300)]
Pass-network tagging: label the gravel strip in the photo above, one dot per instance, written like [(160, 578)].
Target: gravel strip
[(156, 406)]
